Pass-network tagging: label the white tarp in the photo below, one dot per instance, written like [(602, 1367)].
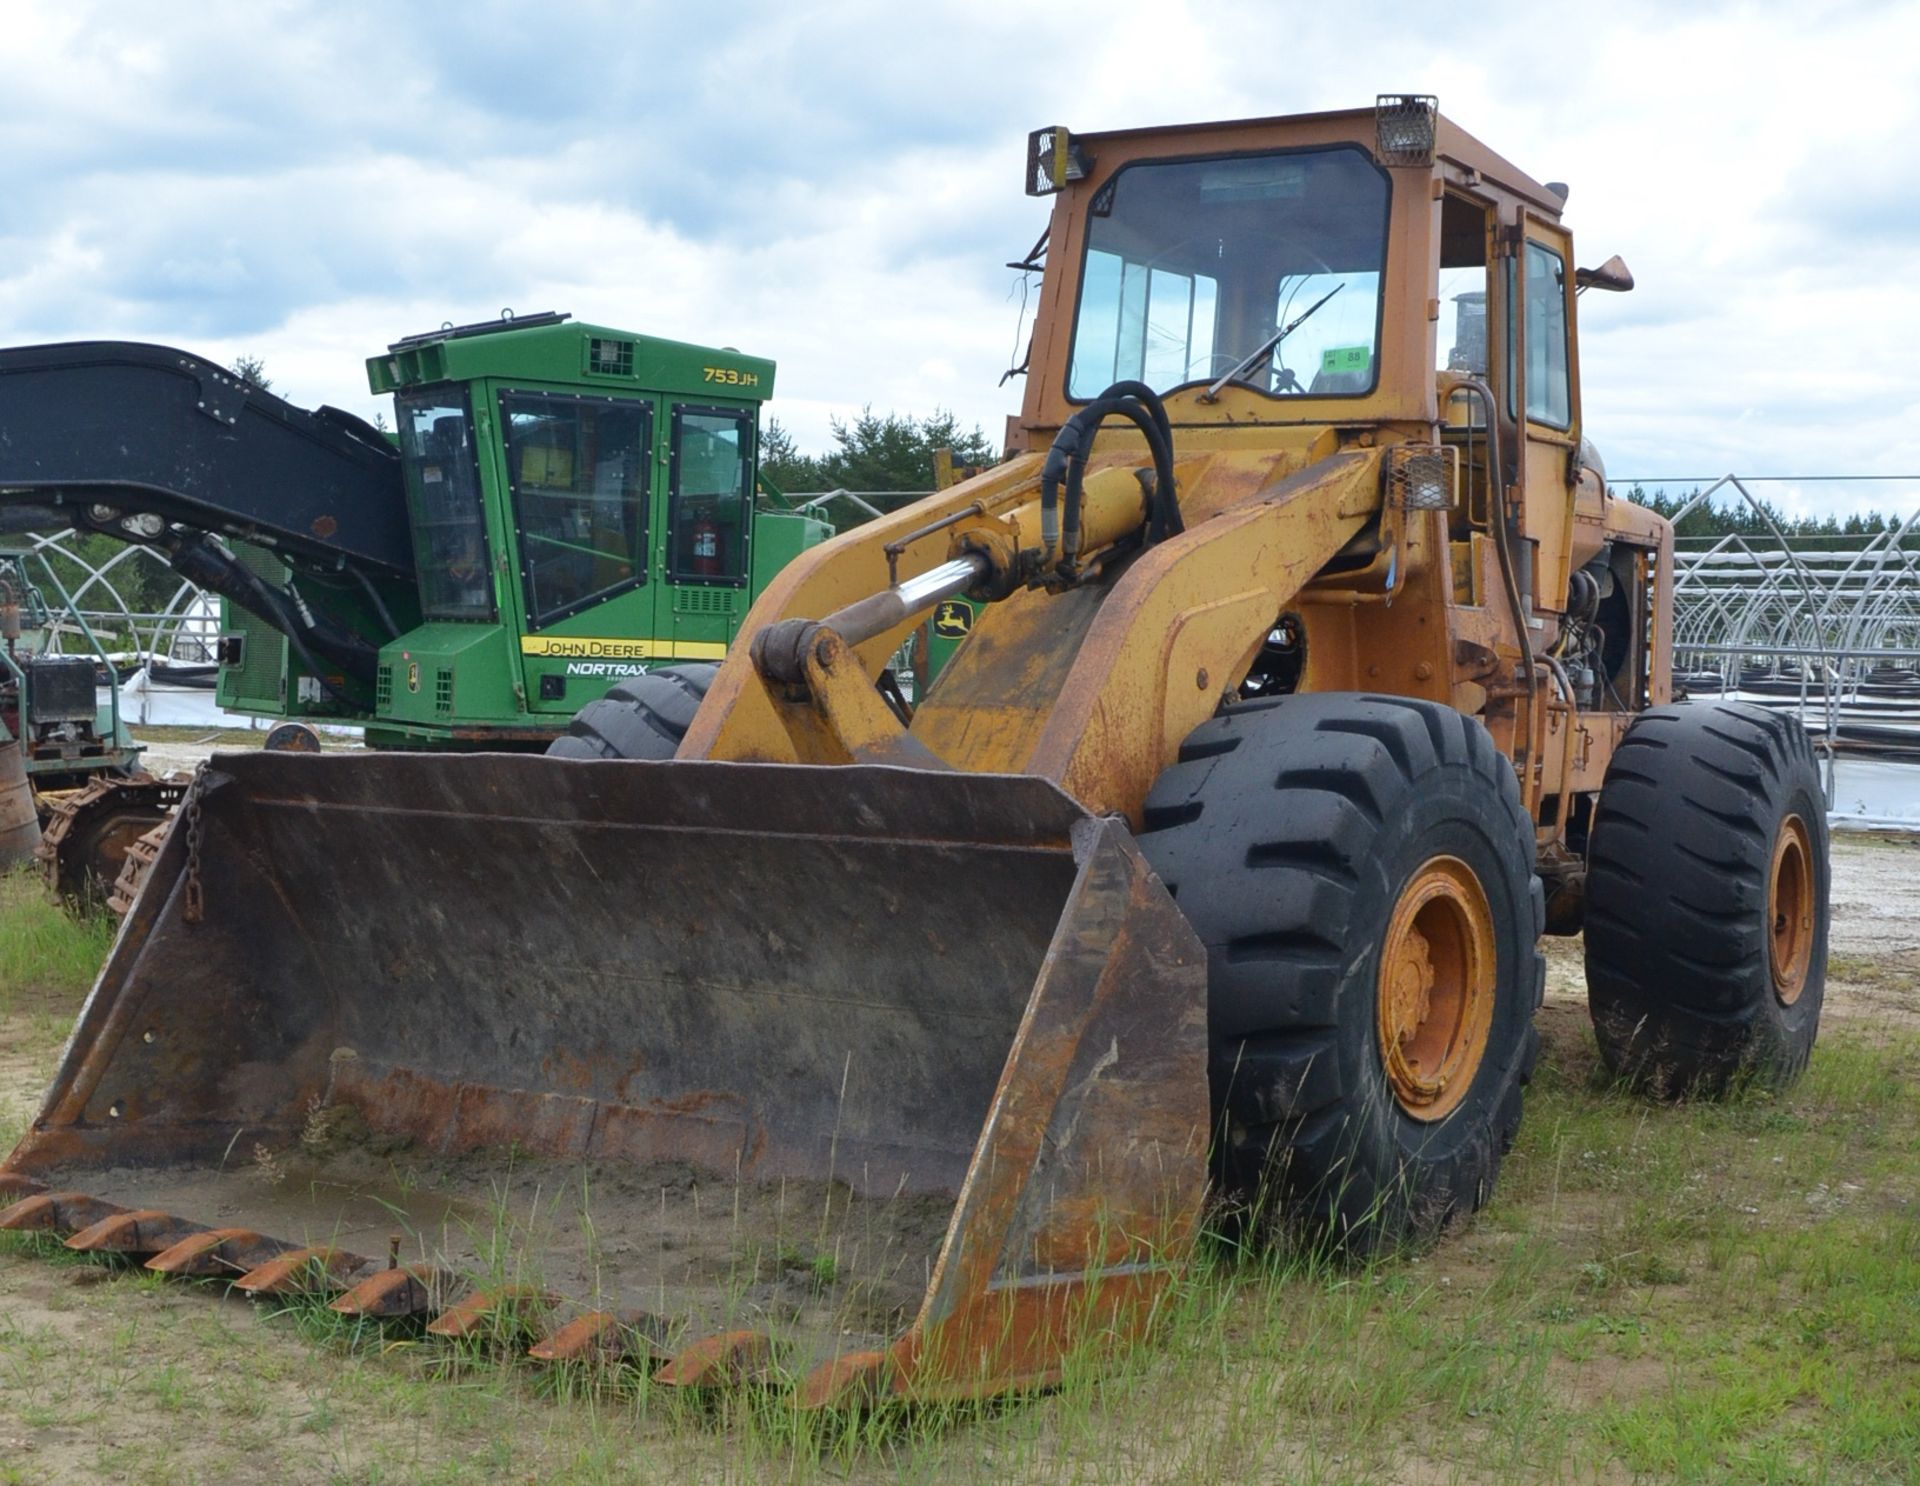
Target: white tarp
[(1875, 794), (145, 702)]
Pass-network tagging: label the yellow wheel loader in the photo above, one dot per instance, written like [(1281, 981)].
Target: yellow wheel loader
[(1310, 674)]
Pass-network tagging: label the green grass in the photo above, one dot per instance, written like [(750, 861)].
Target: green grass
[(46, 953), (1706, 1292), (1714, 1292), (48, 959)]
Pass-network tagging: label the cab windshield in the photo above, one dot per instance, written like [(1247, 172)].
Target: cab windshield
[(437, 459), (1193, 264)]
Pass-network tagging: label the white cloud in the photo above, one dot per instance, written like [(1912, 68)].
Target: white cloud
[(837, 188)]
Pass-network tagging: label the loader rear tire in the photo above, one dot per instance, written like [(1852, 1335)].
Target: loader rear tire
[(1707, 901), (1361, 870), (644, 717)]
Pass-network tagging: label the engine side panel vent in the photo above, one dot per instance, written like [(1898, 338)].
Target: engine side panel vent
[(607, 357)]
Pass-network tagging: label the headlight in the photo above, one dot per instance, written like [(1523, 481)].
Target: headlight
[(1404, 125)]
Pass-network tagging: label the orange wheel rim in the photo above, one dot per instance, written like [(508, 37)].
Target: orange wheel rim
[(1435, 995), (1790, 910)]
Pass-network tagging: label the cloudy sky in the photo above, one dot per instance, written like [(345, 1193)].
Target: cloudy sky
[(838, 186)]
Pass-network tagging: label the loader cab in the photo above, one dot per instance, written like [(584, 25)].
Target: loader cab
[(1322, 281), (1297, 272), (584, 505)]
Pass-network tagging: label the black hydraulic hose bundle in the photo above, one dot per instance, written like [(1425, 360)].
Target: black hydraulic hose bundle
[(1067, 460), (197, 559)]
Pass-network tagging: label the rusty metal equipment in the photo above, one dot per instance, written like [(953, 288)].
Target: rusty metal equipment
[(19, 821), (84, 786), (889, 1046)]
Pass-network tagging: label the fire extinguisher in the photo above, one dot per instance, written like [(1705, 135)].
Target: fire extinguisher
[(708, 548)]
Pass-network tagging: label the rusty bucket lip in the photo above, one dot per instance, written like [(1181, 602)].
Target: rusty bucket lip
[(1791, 893), (1449, 884), (939, 800)]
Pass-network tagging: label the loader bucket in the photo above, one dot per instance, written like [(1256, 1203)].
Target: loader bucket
[(874, 1080)]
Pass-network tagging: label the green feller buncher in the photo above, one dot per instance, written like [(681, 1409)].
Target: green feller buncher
[(564, 508)]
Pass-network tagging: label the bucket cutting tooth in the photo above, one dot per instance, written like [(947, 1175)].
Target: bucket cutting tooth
[(217, 1251), (605, 1337), (499, 1311), (412, 1290), (56, 1212), (147, 1230), (731, 1358), (306, 1271), (852, 1381), (14, 1187)]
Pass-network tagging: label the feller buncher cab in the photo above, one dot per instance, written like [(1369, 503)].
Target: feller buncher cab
[(583, 504), (1313, 675)]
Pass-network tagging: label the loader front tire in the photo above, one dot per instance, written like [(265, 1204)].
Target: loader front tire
[(1361, 871), (1707, 904), (644, 717)]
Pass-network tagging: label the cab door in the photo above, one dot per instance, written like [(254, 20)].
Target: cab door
[(579, 480), (708, 556)]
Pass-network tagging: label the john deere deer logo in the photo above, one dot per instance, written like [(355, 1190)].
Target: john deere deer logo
[(413, 675), (952, 620)]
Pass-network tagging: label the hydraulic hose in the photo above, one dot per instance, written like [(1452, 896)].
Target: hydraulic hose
[(1067, 462), (196, 559), (1503, 543), (380, 604), (1166, 517)]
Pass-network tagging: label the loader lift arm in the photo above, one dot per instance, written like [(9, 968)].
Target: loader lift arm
[(163, 448)]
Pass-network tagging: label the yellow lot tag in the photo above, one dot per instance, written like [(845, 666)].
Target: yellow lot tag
[(594, 647)]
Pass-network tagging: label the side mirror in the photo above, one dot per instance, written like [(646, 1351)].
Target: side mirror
[(1612, 275)]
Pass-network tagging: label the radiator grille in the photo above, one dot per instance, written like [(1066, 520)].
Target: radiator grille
[(703, 600), (60, 688)]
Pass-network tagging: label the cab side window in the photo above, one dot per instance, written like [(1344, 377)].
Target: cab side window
[(577, 468), (1460, 342), (711, 496), (1549, 390)]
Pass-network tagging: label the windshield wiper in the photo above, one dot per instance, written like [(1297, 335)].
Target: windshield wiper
[(1270, 344)]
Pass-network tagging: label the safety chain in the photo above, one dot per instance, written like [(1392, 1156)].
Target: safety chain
[(190, 808)]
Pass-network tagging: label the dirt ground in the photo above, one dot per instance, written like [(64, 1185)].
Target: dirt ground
[(1873, 952), (178, 750)]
